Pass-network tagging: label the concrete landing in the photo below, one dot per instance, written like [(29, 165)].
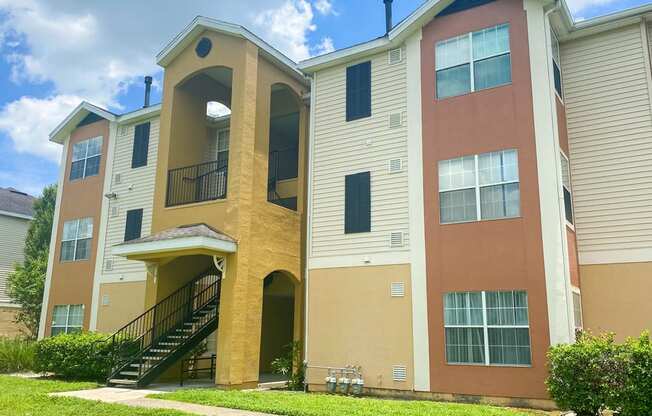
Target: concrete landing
[(138, 398)]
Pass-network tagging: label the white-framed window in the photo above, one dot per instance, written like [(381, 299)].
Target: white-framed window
[(479, 187), (577, 310), (86, 157), (556, 64), (473, 61), (67, 319), (76, 239), (567, 189), (487, 328), (223, 147)]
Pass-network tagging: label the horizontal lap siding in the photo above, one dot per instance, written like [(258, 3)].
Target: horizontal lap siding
[(141, 196), (610, 134), (12, 243), (340, 149)]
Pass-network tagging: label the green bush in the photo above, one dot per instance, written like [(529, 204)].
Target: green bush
[(290, 365), (78, 356), (635, 398), (586, 376), (16, 355)]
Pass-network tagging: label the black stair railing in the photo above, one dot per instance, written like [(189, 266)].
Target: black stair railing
[(131, 342), (197, 183)]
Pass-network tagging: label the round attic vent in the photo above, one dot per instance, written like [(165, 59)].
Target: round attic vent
[(203, 47)]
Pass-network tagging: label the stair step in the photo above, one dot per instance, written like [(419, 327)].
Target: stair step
[(184, 330), (129, 373), (169, 343), (152, 358), (176, 337), (122, 381)]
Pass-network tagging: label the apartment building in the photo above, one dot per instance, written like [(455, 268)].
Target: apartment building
[(16, 212), (425, 207)]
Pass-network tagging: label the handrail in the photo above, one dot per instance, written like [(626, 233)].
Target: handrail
[(197, 183)]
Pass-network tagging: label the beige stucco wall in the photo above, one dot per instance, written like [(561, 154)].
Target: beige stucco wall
[(617, 298), (126, 302), (353, 320)]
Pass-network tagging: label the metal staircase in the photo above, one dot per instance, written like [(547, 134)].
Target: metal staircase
[(150, 344)]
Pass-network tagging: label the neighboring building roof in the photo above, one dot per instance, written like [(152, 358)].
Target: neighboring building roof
[(201, 24), (16, 203)]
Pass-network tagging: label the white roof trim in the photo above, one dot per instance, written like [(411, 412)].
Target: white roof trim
[(16, 215), (201, 23), (175, 244), (59, 134), (140, 113)]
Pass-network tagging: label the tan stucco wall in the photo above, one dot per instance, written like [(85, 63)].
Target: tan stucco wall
[(8, 326), (126, 302), (269, 237), (353, 320), (617, 298)]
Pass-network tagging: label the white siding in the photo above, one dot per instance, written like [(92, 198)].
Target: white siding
[(610, 134), (342, 148), (135, 190), (12, 243)]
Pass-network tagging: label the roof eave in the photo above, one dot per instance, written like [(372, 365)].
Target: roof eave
[(61, 132)]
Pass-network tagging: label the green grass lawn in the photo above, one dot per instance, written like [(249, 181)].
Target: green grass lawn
[(299, 404), (28, 397)]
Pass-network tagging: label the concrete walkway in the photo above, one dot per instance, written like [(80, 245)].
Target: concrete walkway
[(137, 398)]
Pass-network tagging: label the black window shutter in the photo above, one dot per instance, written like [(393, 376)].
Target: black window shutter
[(141, 145), (134, 224), (357, 203), (358, 91)]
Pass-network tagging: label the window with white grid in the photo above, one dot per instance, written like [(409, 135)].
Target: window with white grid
[(67, 319), (479, 187), (487, 328), (76, 239), (86, 158)]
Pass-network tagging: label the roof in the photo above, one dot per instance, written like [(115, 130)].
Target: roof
[(183, 231), (16, 204), (201, 24)]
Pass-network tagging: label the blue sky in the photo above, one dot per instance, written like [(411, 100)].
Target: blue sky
[(55, 53)]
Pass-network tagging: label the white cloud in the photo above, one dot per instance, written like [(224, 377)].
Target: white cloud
[(325, 46), (97, 49), (325, 7), (28, 121), (576, 6), (215, 109)]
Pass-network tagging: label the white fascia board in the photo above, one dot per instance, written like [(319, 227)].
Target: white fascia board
[(139, 114), (201, 23), (16, 215), (60, 133), (176, 244)]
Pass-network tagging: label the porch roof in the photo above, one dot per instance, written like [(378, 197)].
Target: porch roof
[(183, 238)]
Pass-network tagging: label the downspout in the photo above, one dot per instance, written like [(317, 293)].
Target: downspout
[(553, 113), (311, 135)]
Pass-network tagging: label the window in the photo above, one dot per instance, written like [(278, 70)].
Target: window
[(479, 187), (86, 158), (133, 224), (357, 203), (556, 64), (141, 145), (358, 91), (76, 241), (222, 151), (566, 185), (577, 310), (67, 319), (487, 328), (473, 62)]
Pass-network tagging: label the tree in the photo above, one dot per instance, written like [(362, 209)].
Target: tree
[(25, 284)]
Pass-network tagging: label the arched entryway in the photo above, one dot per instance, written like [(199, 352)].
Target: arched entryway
[(277, 328)]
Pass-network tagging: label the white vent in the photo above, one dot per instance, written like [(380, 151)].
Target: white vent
[(395, 120), (396, 239), (399, 373), (395, 165), (117, 178), (395, 56), (123, 130), (108, 265), (115, 211), (397, 289), (106, 300)]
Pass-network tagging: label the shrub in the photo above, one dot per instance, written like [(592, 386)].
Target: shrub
[(16, 355), (290, 364), (635, 398), (586, 376), (78, 356)]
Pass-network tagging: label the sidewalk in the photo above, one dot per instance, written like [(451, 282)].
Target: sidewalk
[(137, 398)]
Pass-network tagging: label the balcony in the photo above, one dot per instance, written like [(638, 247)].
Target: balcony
[(197, 183)]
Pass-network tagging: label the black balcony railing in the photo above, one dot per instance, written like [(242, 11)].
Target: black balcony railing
[(197, 183)]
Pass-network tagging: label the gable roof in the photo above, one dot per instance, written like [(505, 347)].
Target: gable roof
[(16, 204), (201, 24), (61, 132)]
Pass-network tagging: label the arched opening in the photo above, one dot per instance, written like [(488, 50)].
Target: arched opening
[(283, 166), (199, 138), (277, 328)]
